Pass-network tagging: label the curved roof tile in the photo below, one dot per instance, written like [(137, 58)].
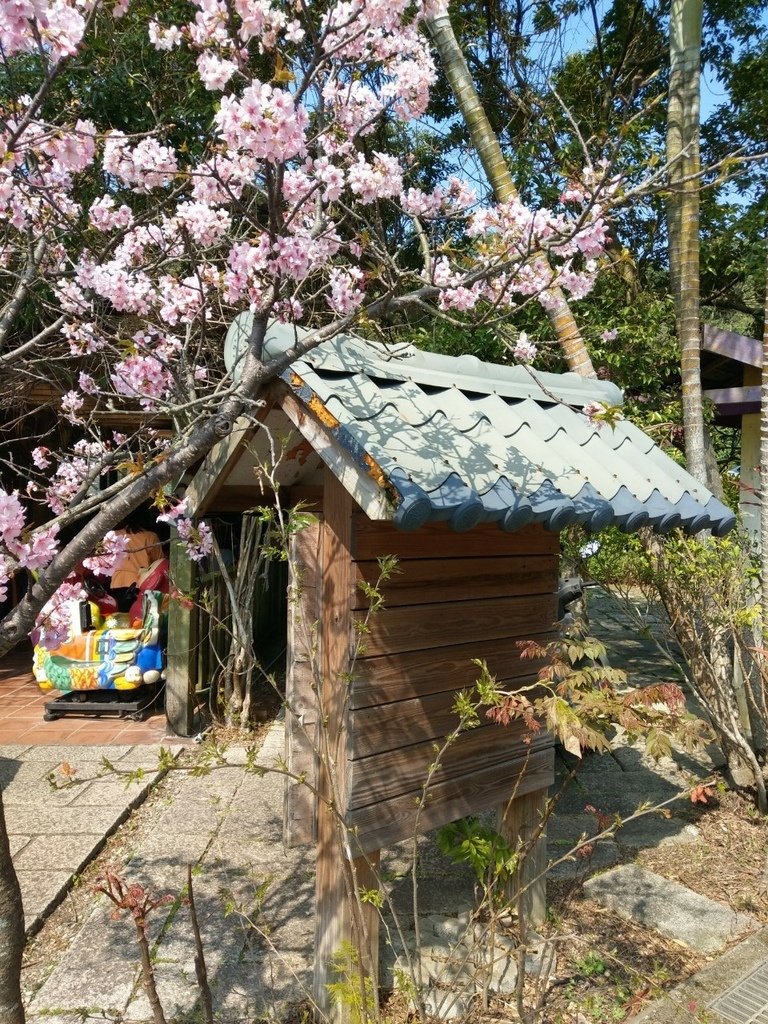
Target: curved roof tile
[(467, 442)]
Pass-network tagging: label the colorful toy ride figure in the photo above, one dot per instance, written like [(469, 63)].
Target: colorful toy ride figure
[(115, 655)]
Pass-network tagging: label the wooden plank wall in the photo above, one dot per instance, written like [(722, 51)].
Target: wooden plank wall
[(458, 596)]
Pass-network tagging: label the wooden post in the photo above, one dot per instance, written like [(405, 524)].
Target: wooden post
[(335, 922), (182, 643), (518, 819)]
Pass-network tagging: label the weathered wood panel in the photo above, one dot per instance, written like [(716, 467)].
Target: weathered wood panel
[(410, 674), (391, 726), (417, 627), (381, 825), (457, 597), (419, 581), (371, 540), (333, 918), (182, 643), (403, 771), (302, 666)]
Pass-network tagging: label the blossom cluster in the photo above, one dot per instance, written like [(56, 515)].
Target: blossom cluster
[(197, 537), (272, 210), (21, 547)]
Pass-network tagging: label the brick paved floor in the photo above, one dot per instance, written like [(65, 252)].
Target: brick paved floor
[(22, 704)]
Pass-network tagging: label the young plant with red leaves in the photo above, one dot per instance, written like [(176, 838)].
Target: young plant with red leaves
[(137, 901)]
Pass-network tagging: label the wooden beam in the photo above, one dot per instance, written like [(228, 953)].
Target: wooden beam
[(339, 918), (302, 658), (371, 498), (735, 401), (212, 475), (182, 642), (739, 347), (518, 820)]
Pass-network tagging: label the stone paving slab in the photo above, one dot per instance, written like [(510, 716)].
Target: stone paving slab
[(110, 792), (63, 821), (275, 889), (40, 890), (80, 754), (58, 851), (54, 833), (654, 902)]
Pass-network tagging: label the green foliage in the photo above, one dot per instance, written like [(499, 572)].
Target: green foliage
[(591, 965), (282, 524), (349, 989), (615, 558), (465, 706), (372, 591), (470, 842), (404, 982), (725, 571), (375, 897)]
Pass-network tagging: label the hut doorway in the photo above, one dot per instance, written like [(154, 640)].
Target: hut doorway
[(242, 622)]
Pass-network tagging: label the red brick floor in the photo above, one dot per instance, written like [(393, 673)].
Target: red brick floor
[(22, 704)]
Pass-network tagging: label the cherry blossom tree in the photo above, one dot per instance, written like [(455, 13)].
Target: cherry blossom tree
[(125, 256)]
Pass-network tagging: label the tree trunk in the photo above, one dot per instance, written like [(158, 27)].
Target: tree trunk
[(764, 476), (683, 217), (11, 933), (488, 149)]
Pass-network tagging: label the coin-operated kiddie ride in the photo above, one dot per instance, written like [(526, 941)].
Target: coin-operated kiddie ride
[(111, 662)]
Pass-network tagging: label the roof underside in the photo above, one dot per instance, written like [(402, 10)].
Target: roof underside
[(456, 440)]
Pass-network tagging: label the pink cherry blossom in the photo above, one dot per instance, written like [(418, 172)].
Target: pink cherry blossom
[(142, 377), (164, 37), (53, 622), (11, 516), (215, 71), (71, 406), (106, 215), (108, 554), (197, 537), (345, 291), (594, 411), (40, 457), (524, 350), (264, 122), (35, 553)]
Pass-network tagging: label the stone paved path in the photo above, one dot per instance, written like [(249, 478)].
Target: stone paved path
[(54, 833), (229, 824)]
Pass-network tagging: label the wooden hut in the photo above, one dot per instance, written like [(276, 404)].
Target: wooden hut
[(466, 472)]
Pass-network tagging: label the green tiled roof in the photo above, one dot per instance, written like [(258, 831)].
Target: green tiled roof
[(469, 442)]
